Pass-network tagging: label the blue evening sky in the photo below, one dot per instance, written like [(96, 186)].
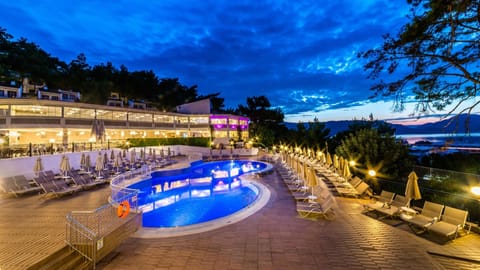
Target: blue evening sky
[(302, 54)]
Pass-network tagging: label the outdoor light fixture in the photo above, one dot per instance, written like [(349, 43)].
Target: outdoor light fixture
[(475, 190), (372, 173), (352, 163)]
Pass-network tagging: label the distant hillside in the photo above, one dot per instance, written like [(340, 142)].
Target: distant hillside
[(457, 126), (444, 126)]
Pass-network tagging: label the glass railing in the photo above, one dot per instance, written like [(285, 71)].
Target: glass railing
[(29, 150), (450, 188)]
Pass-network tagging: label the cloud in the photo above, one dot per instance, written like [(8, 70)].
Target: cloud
[(300, 54)]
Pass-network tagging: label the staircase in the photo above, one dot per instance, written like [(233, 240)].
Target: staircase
[(64, 259)]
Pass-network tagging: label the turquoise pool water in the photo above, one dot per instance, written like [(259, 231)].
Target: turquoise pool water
[(201, 193)]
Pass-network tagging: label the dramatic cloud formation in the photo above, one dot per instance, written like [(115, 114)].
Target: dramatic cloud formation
[(301, 54)]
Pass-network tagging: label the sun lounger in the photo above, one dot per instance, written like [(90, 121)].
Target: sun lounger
[(392, 209), (453, 220), (355, 181), (53, 190), (24, 186), (58, 188), (429, 214), (17, 185), (323, 208), (380, 200), (85, 181), (363, 189)]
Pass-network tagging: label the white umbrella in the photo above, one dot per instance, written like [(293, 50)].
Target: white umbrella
[(154, 155), (112, 155), (88, 163), (38, 167), (117, 162), (99, 164), (412, 191), (65, 165)]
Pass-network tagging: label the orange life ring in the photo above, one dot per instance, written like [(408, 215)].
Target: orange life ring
[(123, 209)]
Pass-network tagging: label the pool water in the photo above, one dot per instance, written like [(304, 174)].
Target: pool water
[(201, 193)]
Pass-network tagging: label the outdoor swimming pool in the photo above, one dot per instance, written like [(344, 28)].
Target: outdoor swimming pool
[(200, 193)]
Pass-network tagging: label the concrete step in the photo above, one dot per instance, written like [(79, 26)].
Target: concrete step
[(63, 259)]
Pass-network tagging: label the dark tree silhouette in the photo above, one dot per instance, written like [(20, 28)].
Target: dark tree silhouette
[(436, 56)]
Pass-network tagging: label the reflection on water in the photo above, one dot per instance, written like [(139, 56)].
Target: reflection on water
[(204, 193), (442, 143)]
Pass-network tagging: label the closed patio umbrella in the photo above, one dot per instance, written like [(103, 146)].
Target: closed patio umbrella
[(335, 162), (88, 163), (82, 161), (65, 165), (38, 167), (412, 191), (117, 162), (99, 164), (329, 159), (105, 159), (112, 155), (132, 156), (312, 181), (346, 170)]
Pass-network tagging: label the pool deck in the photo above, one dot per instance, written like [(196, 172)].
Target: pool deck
[(273, 238)]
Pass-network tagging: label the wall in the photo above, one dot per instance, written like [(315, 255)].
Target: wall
[(24, 165)]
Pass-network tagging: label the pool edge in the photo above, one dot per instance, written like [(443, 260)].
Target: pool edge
[(262, 200)]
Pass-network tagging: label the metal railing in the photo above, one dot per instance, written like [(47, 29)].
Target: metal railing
[(88, 232)]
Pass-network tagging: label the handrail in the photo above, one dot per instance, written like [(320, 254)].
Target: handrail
[(77, 223)]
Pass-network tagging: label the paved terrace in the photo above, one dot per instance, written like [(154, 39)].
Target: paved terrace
[(273, 238)]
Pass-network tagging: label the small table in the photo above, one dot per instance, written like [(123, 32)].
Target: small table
[(407, 213)]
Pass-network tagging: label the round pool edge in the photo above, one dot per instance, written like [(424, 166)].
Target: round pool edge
[(262, 200)]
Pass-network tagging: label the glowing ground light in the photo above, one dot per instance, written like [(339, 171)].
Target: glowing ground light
[(372, 173), (352, 163), (476, 190)]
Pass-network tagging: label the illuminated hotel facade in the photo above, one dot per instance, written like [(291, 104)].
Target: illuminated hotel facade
[(37, 121)]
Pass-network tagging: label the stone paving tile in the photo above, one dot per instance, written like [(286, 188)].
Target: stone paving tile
[(273, 238)]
